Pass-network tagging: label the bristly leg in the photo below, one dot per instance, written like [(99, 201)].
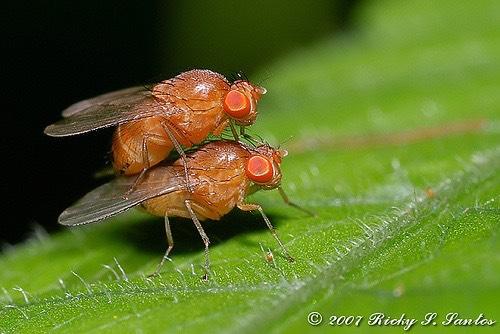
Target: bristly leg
[(233, 131), (145, 160), (170, 245), (182, 154), (253, 207), (290, 203), (203, 235)]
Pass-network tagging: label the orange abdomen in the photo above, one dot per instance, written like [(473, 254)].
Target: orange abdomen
[(129, 140), (196, 97)]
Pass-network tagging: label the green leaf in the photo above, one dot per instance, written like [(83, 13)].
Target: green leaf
[(395, 145)]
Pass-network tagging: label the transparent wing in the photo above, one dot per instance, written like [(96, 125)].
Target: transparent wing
[(107, 98), (109, 110), (108, 199)]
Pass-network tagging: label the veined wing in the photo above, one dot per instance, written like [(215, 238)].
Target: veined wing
[(108, 200), (113, 111), (107, 98)]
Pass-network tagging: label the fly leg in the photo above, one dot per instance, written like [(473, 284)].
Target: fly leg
[(253, 207), (203, 235), (254, 141), (181, 152), (290, 203), (170, 244), (233, 130), (237, 136), (245, 135), (242, 134), (145, 160)]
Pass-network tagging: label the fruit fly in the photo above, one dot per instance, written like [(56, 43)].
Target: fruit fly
[(182, 111), (222, 173)]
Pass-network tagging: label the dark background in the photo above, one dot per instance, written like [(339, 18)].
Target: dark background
[(59, 52)]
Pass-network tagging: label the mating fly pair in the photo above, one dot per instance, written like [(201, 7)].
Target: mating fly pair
[(150, 122), (206, 183)]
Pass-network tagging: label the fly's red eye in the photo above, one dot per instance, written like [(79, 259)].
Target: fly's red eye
[(236, 104), (260, 169)]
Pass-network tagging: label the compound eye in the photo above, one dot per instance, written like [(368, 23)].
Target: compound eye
[(237, 104), (260, 169)]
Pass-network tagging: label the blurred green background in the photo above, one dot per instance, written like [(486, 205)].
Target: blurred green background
[(235, 36)]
